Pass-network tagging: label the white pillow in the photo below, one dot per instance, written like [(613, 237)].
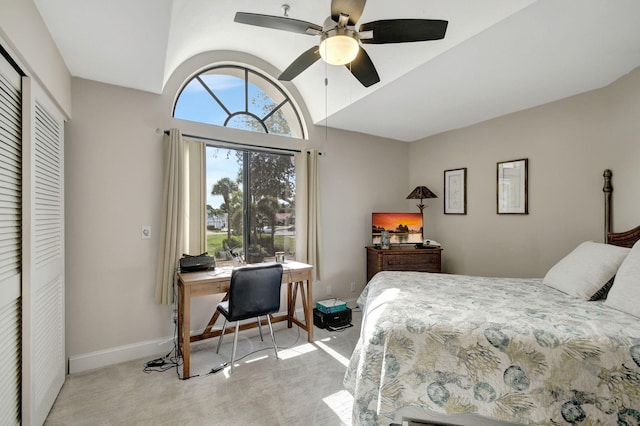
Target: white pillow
[(586, 269), (625, 293)]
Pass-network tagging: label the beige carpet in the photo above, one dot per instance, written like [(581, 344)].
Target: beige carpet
[(302, 387)]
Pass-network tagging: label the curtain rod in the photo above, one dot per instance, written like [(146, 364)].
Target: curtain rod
[(205, 138)]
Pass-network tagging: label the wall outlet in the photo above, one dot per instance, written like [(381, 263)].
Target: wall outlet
[(329, 290), (353, 287)]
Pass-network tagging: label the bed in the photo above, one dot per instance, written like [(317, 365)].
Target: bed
[(467, 350)]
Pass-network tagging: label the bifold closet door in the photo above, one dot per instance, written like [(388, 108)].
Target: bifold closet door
[(10, 241), (43, 310)]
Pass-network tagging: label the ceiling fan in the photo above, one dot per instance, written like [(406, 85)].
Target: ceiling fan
[(340, 43)]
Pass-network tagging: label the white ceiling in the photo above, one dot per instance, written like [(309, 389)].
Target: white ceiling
[(498, 56)]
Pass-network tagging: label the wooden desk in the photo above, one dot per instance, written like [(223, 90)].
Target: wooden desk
[(194, 284)]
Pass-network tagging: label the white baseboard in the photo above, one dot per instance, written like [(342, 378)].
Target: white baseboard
[(111, 356), (119, 354)]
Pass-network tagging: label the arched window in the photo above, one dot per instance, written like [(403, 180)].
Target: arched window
[(239, 97)]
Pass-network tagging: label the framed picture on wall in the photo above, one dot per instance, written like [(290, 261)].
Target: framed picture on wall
[(455, 191), (512, 187)]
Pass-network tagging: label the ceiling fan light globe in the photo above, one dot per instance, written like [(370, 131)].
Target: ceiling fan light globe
[(339, 49)]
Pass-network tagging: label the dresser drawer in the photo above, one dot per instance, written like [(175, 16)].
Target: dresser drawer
[(420, 260), (411, 262)]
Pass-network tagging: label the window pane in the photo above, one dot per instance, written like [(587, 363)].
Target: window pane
[(196, 104), (259, 103), (277, 124), (224, 202), (228, 89), (271, 209), (287, 115), (263, 96), (272, 190), (270, 91), (235, 96)]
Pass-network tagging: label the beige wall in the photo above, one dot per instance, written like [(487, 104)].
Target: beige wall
[(114, 186), (569, 143)]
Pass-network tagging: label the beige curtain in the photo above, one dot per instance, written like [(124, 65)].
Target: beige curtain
[(183, 209), (308, 223), (196, 216)]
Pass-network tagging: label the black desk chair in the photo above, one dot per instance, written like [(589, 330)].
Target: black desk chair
[(254, 291)]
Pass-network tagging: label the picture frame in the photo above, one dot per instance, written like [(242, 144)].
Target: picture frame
[(455, 191), (512, 187)]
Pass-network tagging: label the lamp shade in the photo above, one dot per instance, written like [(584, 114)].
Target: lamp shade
[(421, 192), (339, 49)]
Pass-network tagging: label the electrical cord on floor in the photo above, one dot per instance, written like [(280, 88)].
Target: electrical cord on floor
[(160, 365), (172, 358)]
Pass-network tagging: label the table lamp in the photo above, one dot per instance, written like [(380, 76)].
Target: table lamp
[(421, 192)]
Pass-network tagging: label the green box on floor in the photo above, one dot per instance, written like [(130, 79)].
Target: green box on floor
[(331, 306)]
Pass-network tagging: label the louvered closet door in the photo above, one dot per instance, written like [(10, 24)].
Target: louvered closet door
[(10, 241), (43, 346)]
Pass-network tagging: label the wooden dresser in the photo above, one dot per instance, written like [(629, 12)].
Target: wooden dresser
[(403, 259)]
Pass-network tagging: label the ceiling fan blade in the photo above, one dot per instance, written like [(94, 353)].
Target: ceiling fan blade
[(278, 23), (403, 30), (353, 8), (301, 63), (363, 69)]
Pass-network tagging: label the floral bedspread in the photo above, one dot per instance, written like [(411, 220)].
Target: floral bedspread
[(509, 349)]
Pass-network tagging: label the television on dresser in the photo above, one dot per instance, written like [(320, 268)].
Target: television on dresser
[(404, 228)]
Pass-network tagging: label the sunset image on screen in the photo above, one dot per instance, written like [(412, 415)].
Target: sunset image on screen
[(403, 228), (391, 221)]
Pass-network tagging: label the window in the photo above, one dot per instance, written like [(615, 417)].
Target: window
[(250, 204), (238, 97), (250, 193)]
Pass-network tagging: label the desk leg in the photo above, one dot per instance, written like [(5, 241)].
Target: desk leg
[(294, 299), (308, 312), (180, 315), (290, 306), (207, 333), (185, 334)]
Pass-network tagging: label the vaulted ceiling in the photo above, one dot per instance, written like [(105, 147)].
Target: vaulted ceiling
[(498, 56)]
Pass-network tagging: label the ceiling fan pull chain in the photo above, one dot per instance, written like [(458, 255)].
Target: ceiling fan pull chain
[(326, 110)]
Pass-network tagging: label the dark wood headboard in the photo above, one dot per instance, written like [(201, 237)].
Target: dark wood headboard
[(622, 239)]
